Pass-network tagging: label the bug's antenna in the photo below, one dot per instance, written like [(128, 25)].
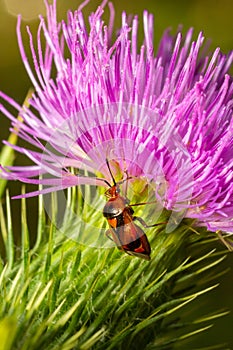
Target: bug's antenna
[(96, 178), (107, 162)]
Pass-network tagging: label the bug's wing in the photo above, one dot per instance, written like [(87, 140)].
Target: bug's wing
[(131, 239), (140, 248)]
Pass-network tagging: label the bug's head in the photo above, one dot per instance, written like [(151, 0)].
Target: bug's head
[(113, 191)]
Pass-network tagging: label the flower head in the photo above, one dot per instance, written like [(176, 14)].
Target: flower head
[(165, 117)]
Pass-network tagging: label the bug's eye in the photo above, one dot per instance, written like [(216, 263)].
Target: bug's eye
[(117, 190)]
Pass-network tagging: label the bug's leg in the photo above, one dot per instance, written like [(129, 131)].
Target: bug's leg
[(143, 203), (109, 235), (126, 186), (144, 224)]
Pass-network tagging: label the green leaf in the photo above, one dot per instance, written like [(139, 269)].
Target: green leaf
[(8, 329)]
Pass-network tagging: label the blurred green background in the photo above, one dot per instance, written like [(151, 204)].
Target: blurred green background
[(214, 17)]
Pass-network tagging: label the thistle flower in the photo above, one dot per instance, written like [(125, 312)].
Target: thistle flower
[(164, 117)]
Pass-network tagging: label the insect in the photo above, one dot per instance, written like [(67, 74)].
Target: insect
[(128, 236)]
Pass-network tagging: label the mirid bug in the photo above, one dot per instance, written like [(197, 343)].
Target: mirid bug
[(128, 236)]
